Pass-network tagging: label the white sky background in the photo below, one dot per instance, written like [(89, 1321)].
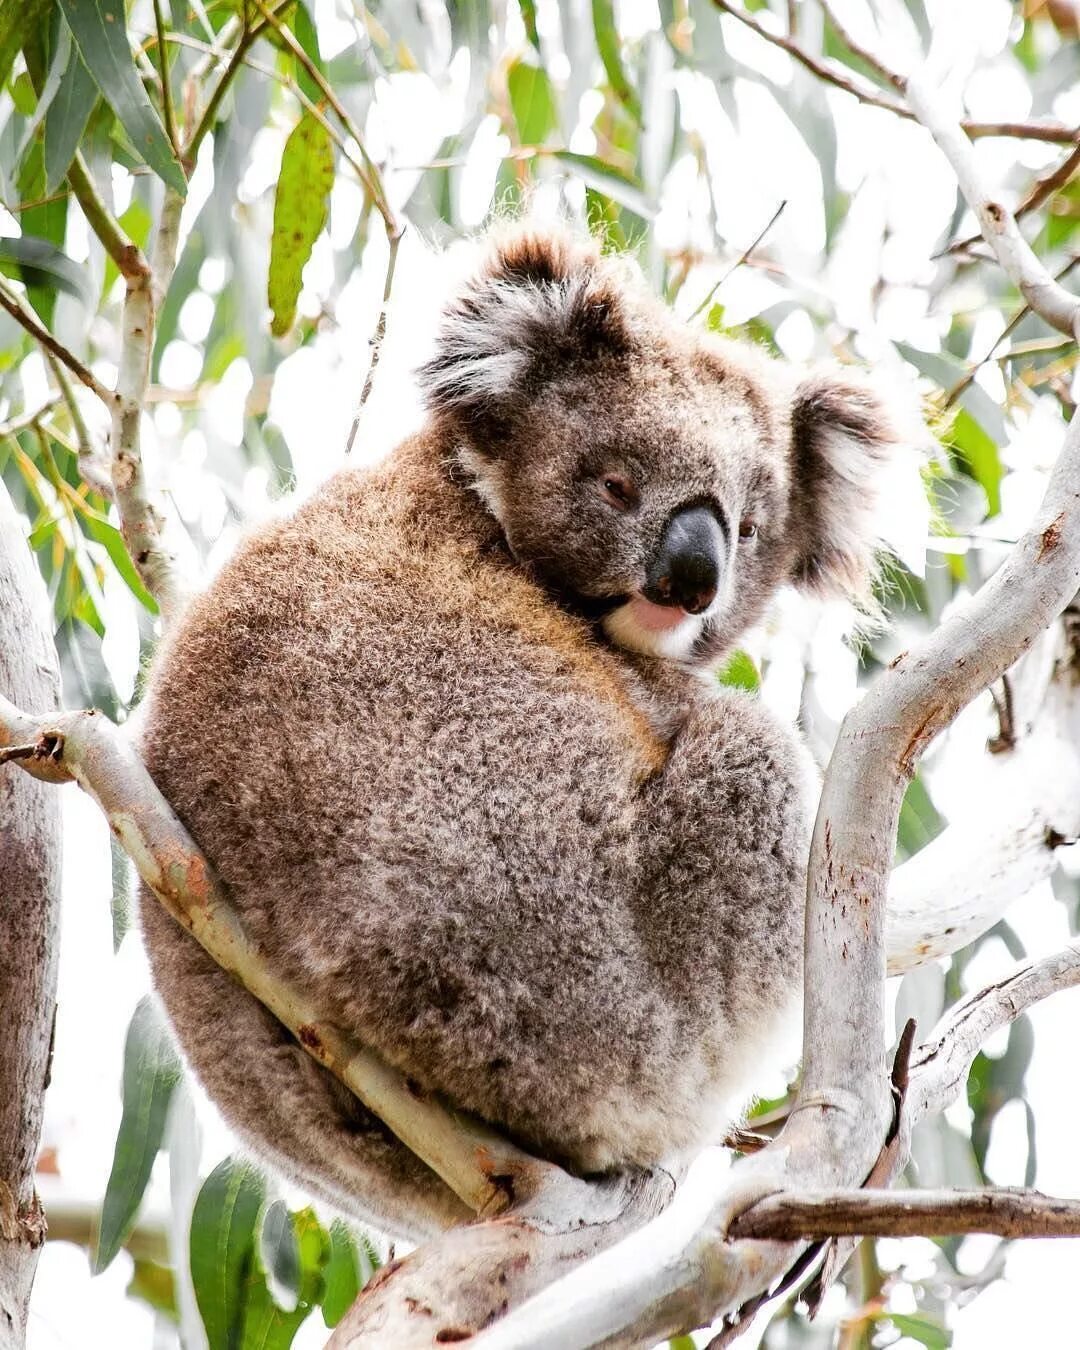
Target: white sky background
[(904, 199)]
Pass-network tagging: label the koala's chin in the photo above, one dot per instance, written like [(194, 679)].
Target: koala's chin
[(445, 797)]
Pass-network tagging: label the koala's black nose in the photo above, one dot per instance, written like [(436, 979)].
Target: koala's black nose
[(689, 562)]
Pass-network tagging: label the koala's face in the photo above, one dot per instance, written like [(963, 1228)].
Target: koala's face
[(660, 481)]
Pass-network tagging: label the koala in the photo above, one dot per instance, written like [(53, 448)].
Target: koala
[(451, 736)]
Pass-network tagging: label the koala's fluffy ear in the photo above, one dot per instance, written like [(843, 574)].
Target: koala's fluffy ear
[(845, 444), (541, 301)]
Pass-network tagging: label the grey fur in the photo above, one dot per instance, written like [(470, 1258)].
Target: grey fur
[(558, 882)]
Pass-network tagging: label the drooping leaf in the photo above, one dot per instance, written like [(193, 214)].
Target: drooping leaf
[(301, 205), (43, 219), (607, 44), (110, 538), (980, 457), (99, 28), (922, 1329), (222, 1249), (305, 33), (532, 101), (41, 263), (595, 174), (66, 119), (151, 1073), (528, 18), (920, 820), (347, 1271), (20, 20), (268, 1326), (120, 905)]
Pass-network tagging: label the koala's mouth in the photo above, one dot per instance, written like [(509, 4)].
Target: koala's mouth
[(654, 618)]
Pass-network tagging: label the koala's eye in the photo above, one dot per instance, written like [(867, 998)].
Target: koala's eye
[(747, 528), (618, 491)]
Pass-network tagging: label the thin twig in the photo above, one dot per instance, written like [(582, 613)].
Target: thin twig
[(375, 184), (26, 420), (743, 257), (1014, 323), (8, 753), (124, 252), (286, 82), (864, 54), (249, 33), (166, 90), (91, 464), (1055, 132), (10, 301), (377, 340), (1043, 188), (1047, 297)]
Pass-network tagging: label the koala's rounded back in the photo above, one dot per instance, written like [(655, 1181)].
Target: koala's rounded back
[(444, 736)]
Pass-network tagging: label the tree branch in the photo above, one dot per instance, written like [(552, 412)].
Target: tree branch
[(940, 1066), (881, 1213), (867, 93), (141, 523), (29, 923), (22, 316), (1043, 189), (377, 340), (1045, 296), (961, 883)]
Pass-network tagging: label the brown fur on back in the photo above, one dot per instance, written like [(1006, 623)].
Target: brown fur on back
[(555, 881)]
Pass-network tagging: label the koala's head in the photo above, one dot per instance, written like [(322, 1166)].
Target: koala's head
[(661, 480)]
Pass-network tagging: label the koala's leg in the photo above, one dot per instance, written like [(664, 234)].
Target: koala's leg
[(721, 912), (281, 1103)]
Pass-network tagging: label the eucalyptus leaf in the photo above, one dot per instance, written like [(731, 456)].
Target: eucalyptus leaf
[(223, 1249), (41, 263), (99, 28), (601, 177), (151, 1073), (301, 205)]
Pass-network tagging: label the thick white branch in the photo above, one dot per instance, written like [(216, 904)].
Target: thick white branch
[(1048, 298)]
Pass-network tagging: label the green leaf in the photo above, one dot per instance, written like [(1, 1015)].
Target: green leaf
[(601, 177), (151, 1073), (120, 905), (268, 1326), (739, 672), (46, 220), (223, 1249), (607, 43), (41, 263), (66, 119), (980, 456), (301, 205), (100, 33), (155, 1284), (343, 1275), (20, 20), (532, 101), (304, 32), (681, 1343), (110, 538), (528, 18), (922, 1329), (920, 820)]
